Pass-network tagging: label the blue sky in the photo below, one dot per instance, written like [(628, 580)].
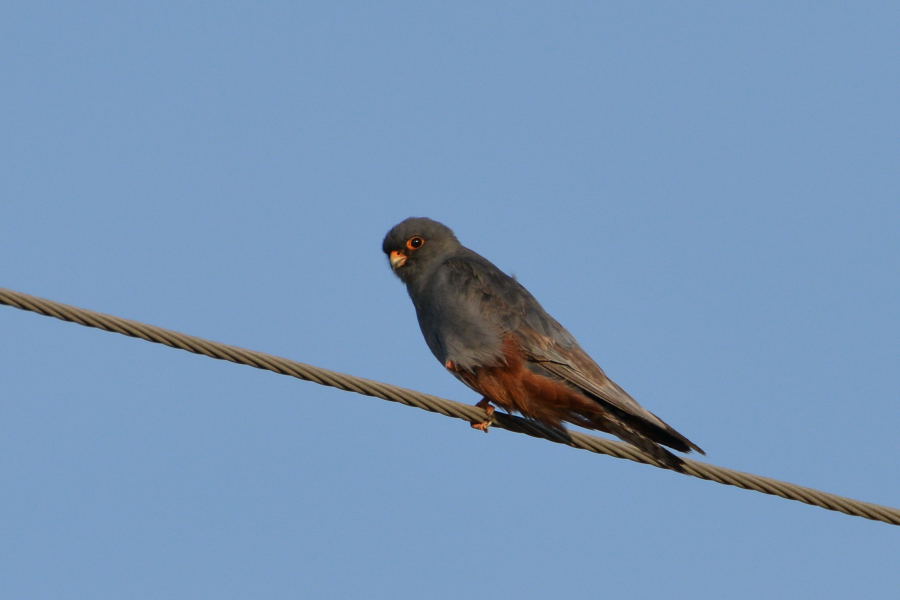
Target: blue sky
[(705, 194)]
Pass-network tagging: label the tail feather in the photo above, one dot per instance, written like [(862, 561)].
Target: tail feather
[(650, 446), (666, 435)]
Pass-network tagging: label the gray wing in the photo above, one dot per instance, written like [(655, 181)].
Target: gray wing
[(555, 350)]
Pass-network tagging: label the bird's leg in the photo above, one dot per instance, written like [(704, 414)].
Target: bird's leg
[(485, 425)]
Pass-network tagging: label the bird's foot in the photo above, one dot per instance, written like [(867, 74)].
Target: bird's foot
[(485, 425)]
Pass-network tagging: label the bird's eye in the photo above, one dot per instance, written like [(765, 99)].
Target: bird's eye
[(414, 243)]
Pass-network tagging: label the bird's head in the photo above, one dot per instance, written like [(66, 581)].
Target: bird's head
[(416, 244)]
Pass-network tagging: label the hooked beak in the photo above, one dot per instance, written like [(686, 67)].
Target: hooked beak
[(397, 258)]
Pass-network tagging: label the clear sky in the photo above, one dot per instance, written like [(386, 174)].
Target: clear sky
[(705, 194)]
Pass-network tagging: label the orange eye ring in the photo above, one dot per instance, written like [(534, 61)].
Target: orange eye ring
[(415, 242)]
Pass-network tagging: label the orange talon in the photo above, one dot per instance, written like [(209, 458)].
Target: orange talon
[(485, 425)]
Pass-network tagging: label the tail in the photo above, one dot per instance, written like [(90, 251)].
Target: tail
[(651, 438), (627, 432), (665, 435), (652, 448), (645, 435)]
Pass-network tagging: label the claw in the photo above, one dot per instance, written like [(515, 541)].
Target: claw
[(489, 410)]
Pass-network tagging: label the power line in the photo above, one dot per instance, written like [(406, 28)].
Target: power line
[(443, 406)]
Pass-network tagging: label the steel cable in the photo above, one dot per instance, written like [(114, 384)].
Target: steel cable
[(442, 406)]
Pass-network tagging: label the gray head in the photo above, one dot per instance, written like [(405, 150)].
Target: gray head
[(415, 245)]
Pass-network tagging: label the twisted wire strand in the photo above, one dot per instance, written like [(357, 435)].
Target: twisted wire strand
[(449, 408)]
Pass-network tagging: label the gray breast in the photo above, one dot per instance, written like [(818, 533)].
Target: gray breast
[(454, 324)]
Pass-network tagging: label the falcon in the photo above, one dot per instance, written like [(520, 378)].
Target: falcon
[(493, 335)]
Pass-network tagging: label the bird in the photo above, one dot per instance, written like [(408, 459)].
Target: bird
[(488, 330)]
